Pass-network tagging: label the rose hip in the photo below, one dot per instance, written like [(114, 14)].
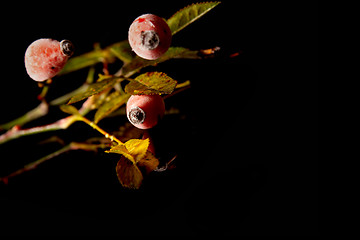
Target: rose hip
[(144, 111), (149, 36), (44, 58)]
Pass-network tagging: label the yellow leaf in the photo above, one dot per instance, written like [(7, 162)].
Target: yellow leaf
[(121, 149), (128, 173), (149, 162), (137, 148), (133, 149)]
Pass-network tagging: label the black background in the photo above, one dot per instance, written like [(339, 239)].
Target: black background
[(246, 138)]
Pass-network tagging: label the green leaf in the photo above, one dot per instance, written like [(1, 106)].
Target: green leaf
[(69, 109), (115, 100), (85, 60), (95, 88), (189, 14), (128, 173), (151, 83), (123, 51), (173, 52)]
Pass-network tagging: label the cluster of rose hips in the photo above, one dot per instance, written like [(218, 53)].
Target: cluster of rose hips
[(149, 37)]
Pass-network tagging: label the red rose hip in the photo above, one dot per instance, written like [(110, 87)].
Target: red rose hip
[(149, 36), (44, 58), (151, 147), (144, 111)]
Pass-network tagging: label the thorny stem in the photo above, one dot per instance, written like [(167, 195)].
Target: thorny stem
[(41, 110), (61, 124), (69, 147), (16, 132), (64, 123)]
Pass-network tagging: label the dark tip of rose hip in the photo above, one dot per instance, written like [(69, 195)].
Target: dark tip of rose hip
[(67, 47), (149, 39), (136, 115)]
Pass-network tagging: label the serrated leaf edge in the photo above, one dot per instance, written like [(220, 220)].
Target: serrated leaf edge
[(197, 17)]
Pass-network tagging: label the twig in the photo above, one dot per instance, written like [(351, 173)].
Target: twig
[(69, 147), (97, 128), (45, 89), (61, 124), (39, 111), (43, 108), (16, 132)]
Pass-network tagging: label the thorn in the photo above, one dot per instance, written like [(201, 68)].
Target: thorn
[(40, 98), (49, 81), (235, 54), (209, 51), (15, 128)]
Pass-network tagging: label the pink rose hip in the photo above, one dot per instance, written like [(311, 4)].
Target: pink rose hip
[(44, 58), (144, 111), (149, 36)]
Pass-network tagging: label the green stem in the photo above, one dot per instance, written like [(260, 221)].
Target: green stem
[(65, 98), (44, 91)]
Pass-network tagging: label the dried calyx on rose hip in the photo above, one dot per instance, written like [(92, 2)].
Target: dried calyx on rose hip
[(149, 36), (144, 111), (45, 57)]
